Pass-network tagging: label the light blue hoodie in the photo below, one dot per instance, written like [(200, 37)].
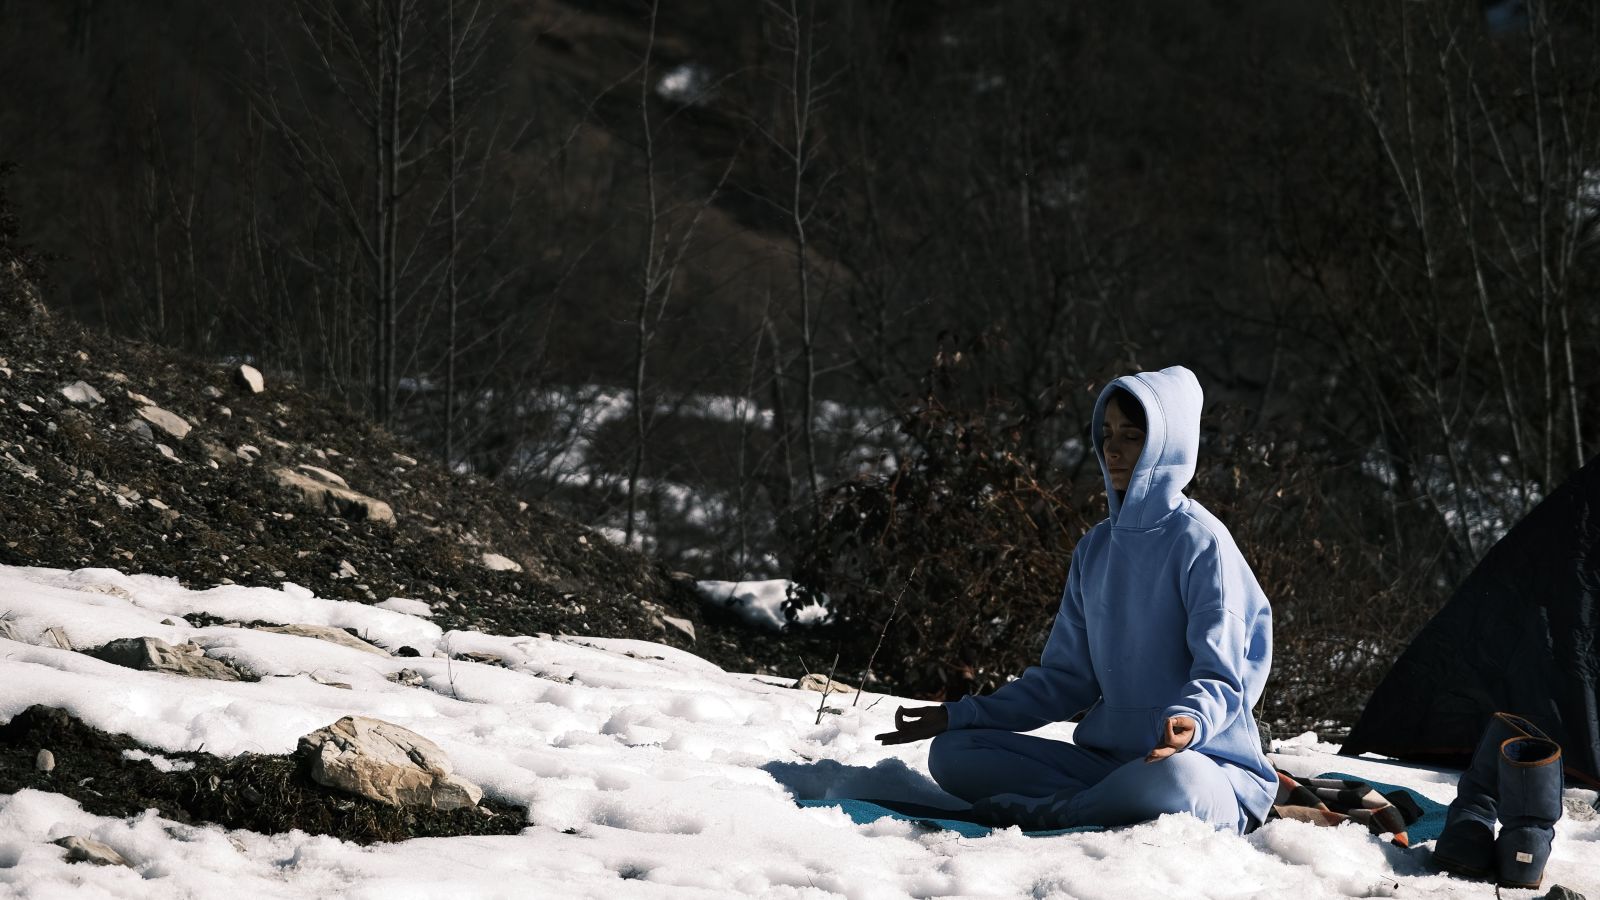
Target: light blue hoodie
[(1161, 616)]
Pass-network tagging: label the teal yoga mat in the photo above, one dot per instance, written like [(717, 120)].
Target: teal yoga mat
[(864, 812), (933, 818)]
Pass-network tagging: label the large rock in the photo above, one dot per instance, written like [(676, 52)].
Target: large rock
[(325, 476), (155, 655), (81, 392), (494, 562), (683, 625), (384, 762), (140, 429), (249, 378), (322, 474), (82, 849), (325, 633), (324, 496), (171, 423)]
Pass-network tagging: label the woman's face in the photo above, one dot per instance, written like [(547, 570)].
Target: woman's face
[(1121, 441)]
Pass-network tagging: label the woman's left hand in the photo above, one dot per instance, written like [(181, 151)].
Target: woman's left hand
[(1177, 734)]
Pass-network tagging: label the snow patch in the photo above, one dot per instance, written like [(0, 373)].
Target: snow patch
[(162, 763), (404, 605), (646, 771), (776, 605)]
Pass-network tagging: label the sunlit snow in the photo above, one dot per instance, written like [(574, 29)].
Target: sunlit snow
[(646, 772), (761, 603)]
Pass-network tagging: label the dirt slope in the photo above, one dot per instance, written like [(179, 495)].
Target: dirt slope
[(89, 483)]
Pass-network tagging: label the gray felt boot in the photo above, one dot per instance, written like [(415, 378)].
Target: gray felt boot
[(1530, 804), (1466, 846)]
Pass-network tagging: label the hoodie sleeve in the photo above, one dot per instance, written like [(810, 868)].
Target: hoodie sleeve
[(1062, 684), (1218, 640)]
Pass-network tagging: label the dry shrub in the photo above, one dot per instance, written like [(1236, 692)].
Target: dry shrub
[(973, 538), (964, 545), (1343, 607)]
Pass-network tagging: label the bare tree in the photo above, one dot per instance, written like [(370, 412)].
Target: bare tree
[(385, 87), (801, 93), (1455, 297), (472, 151), (453, 67), (667, 239)]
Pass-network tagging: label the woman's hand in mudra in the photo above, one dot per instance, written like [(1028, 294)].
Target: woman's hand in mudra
[(1175, 735), (916, 723)]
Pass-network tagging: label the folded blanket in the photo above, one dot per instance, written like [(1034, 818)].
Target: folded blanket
[(1333, 798)]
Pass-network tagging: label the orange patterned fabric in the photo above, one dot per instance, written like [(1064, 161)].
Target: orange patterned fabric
[(1334, 801)]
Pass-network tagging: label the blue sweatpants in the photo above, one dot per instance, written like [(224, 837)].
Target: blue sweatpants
[(1039, 783)]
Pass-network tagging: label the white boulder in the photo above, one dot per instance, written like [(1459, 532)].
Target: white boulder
[(332, 499), (385, 762), (171, 423), (325, 633), (155, 655), (249, 378), (81, 392), (494, 562), (323, 475), (683, 625), (82, 849)]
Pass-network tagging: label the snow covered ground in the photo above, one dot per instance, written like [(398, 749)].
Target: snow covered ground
[(647, 772)]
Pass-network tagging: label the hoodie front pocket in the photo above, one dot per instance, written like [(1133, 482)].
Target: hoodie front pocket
[(1130, 730)]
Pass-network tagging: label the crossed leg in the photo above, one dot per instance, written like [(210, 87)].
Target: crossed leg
[(1041, 783)]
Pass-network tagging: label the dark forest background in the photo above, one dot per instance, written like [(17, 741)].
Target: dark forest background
[(827, 289)]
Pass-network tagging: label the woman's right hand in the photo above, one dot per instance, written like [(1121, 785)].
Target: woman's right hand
[(916, 723)]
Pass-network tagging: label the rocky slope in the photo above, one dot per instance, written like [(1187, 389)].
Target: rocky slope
[(126, 455)]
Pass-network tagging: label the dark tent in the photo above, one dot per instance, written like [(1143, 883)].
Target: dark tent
[(1520, 635)]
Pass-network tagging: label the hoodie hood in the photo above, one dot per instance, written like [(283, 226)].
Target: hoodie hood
[(1172, 399)]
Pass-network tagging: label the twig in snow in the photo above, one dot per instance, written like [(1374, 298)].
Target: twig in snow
[(449, 670), (892, 610), (826, 688)]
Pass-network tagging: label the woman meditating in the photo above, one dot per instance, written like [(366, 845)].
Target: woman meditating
[(1164, 638)]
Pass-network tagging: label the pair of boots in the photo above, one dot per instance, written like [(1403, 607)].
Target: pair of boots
[(1515, 776)]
